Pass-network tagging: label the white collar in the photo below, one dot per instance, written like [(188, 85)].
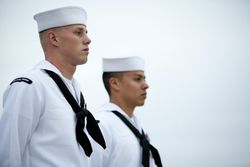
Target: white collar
[(111, 107)]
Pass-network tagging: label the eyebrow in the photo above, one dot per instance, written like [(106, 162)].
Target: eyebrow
[(82, 29), (140, 75)]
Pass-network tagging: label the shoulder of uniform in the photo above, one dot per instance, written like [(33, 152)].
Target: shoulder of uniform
[(105, 118), (22, 79)]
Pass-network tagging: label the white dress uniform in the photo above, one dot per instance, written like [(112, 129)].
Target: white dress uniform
[(37, 127), (123, 148)]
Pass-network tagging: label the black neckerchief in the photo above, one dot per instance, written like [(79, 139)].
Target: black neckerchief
[(146, 146), (81, 113)]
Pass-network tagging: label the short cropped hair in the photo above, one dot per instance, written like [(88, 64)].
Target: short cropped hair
[(43, 40), (106, 77), (43, 36)]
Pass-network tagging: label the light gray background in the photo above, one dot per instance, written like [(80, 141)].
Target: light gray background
[(197, 65)]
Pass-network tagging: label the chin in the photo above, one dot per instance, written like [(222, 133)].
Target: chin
[(140, 104), (83, 61)]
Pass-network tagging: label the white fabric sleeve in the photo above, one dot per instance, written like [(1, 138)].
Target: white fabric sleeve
[(100, 156), (22, 106)]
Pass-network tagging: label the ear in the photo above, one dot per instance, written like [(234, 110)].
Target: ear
[(114, 84), (53, 38)]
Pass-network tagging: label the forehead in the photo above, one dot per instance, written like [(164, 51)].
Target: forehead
[(73, 27), (80, 26), (134, 73)]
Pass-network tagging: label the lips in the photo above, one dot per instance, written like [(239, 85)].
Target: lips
[(144, 94), (87, 49)]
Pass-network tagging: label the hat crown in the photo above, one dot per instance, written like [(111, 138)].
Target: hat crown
[(61, 17), (123, 64)]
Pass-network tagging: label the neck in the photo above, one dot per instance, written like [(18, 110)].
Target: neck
[(66, 69), (128, 109)]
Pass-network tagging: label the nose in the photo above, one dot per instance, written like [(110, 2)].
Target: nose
[(86, 40), (145, 85)]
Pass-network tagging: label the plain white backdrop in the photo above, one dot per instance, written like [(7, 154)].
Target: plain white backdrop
[(197, 57)]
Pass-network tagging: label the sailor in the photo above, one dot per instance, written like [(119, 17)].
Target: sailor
[(44, 113), (127, 143)]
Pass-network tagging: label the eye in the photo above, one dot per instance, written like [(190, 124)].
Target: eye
[(78, 33), (138, 79)]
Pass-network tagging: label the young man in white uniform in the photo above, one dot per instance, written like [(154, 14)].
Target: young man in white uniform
[(38, 125), (124, 80)]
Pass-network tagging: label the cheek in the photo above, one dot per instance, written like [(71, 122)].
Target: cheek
[(73, 43), (70, 42), (71, 47), (131, 88)]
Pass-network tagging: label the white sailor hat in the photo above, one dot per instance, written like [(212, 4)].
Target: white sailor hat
[(123, 64), (60, 17)]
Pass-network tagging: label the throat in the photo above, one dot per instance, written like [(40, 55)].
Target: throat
[(129, 110)]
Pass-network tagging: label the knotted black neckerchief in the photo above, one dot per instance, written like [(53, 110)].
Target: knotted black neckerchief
[(81, 113), (146, 146)]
